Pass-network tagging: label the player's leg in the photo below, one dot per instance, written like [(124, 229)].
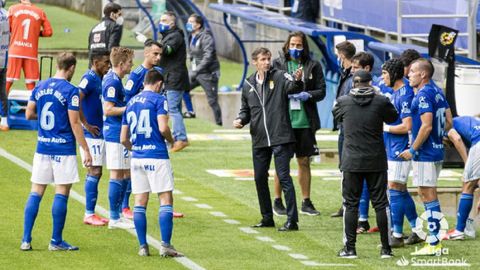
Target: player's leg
[(14, 67), (278, 207), (141, 189), (94, 173), (352, 185), (42, 175), (377, 186), (425, 175), (363, 224), (116, 164), (397, 179), (471, 176), (209, 83), (126, 190), (31, 71), (65, 173), (190, 113), (304, 149), (261, 163), (161, 181)]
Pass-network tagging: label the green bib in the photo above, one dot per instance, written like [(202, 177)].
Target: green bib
[(298, 116)]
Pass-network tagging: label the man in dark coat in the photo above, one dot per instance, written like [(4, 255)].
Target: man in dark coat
[(362, 113)]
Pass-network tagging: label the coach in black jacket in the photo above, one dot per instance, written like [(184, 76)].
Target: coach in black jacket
[(303, 114), (362, 113), (265, 107), (174, 62), (107, 33)]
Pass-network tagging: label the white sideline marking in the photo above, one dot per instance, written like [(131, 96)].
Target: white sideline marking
[(314, 263), (282, 248), (203, 206), (76, 196), (231, 221), (265, 239), (298, 256), (177, 192), (218, 214), (248, 230), (189, 199)]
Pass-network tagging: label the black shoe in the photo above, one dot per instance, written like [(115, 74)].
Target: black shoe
[(189, 115), (264, 224), (413, 239), (308, 208), (397, 242), (386, 253), (288, 226), (347, 253), (363, 227), (278, 208), (339, 213)]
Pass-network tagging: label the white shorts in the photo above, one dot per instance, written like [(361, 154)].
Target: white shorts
[(97, 151), (472, 166), (425, 174), (151, 175), (61, 170), (118, 157), (398, 171)]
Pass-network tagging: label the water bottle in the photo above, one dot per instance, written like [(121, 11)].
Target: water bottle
[(470, 228)]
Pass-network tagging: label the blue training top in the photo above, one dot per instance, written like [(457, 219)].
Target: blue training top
[(112, 91), (54, 98), (469, 129), (141, 117), (91, 87)]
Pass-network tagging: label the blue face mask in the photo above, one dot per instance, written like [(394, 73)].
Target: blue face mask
[(295, 53), (162, 27), (189, 27)]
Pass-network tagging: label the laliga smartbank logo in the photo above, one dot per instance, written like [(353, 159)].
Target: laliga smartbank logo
[(440, 225)]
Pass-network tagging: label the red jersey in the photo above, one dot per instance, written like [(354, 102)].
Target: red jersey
[(27, 24)]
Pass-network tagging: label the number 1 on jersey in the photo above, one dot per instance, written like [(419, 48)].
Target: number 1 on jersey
[(26, 28)]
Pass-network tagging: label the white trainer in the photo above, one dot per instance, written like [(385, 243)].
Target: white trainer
[(121, 223)]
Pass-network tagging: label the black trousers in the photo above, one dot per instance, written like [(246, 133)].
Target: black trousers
[(351, 191), (209, 83), (261, 163)]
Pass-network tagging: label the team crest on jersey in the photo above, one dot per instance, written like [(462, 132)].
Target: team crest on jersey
[(405, 108), (129, 85), (422, 103), (83, 83), (96, 37), (271, 85), (75, 101), (111, 92)]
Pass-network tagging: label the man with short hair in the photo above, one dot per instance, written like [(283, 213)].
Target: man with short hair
[(55, 103), (173, 61), (91, 116), (465, 134), (144, 131), (429, 115), (396, 137), (118, 157), (362, 114), (27, 24), (265, 107), (345, 51), (108, 32)]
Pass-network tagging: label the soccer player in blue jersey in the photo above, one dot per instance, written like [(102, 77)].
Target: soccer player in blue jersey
[(144, 131), (118, 157), (152, 52), (55, 102), (396, 141), (429, 113), (91, 115), (465, 134)]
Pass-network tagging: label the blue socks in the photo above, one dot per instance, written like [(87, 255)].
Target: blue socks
[(140, 220), (433, 206), (91, 194), (410, 209), (165, 219), (398, 210), (128, 190), (59, 213), (31, 211), (115, 198), (464, 207), (364, 203)]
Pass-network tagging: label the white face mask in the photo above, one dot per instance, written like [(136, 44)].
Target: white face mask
[(119, 20)]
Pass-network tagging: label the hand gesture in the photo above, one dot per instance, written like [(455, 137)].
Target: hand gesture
[(94, 130), (87, 159), (298, 74), (406, 155), (237, 123)]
